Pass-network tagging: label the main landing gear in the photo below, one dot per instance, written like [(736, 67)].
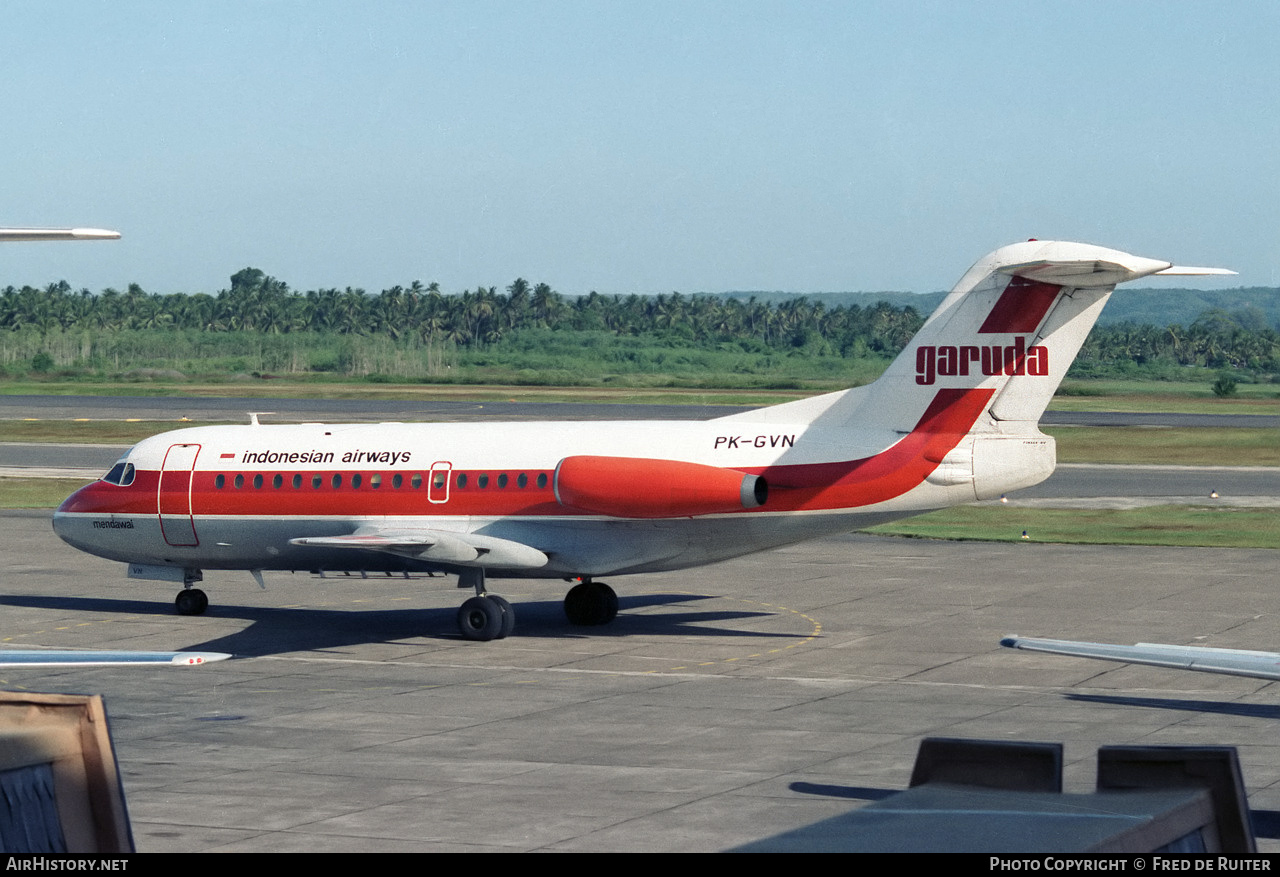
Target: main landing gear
[(485, 616), (590, 604)]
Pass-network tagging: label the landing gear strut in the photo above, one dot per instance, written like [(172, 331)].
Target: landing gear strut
[(591, 604), (485, 616)]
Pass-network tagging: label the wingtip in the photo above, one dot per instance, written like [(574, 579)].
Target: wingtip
[(95, 234), (57, 234), (194, 659)]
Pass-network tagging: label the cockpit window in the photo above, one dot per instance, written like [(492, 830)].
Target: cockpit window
[(121, 474)]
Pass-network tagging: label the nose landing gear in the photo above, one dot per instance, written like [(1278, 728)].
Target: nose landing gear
[(191, 601)]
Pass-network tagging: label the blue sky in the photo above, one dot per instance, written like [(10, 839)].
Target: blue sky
[(634, 147)]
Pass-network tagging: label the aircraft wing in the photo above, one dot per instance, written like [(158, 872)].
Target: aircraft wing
[(1232, 662), (57, 234), (64, 658), (462, 549)]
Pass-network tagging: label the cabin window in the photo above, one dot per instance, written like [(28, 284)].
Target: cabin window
[(257, 482), (542, 479), (239, 481), (416, 480), (297, 481), (502, 480), (337, 480), (375, 481), (316, 481), (397, 480), (482, 481), (522, 481), (220, 481), (355, 481), (438, 479), (277, 481), (462, 480)]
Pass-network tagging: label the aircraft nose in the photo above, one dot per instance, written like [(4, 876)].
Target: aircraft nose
[(71, 519), (62, 515)]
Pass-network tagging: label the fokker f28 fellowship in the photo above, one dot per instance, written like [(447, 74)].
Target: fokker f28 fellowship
[(954, 419)]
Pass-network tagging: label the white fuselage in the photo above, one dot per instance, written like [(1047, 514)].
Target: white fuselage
[(234, 497)]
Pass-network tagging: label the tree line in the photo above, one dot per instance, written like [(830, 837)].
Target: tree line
[(482, 317), (486, 317)]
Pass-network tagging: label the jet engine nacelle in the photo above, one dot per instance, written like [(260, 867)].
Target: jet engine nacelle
[(632, 487)]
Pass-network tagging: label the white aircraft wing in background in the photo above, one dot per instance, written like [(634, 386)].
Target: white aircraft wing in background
[(57, 234)]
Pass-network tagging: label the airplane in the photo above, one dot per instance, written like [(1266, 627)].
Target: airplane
[(952, 420), (1230, 662)]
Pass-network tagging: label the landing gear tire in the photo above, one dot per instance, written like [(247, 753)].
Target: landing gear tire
[(481, 618), (191, 601), (508, 616), (591, 604)]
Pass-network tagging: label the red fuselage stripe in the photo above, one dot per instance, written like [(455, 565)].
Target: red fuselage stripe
[(886, 475)]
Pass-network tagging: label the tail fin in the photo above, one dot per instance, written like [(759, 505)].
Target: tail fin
[(983, 367), (1012, 326)]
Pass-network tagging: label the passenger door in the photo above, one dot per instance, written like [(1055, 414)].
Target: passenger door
[(173, 499)]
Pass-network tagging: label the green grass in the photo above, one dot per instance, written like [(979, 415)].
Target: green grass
[(355, 389), (1195, 446), (1151, 525), (89, 432), (1161, 397), (36, 493), (1191, 446), (705, 388)]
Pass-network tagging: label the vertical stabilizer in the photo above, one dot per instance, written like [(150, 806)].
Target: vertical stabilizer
[(1010, 328), (1012, 325)]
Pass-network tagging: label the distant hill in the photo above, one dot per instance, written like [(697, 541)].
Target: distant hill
[(1258, 305), (1254, 308), (924, 302)]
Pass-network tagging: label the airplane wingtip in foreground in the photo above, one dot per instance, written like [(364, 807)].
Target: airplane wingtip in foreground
[(74, 658), (1230, 662), (952, 420)]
